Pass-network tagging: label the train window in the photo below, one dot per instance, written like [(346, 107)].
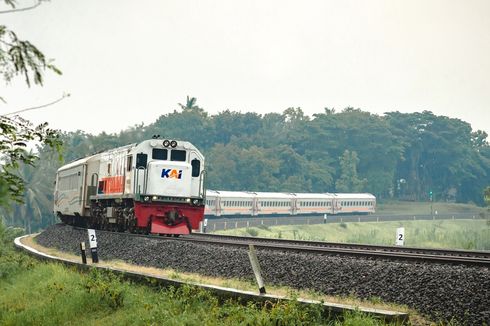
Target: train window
[(101, 187), (177, 155), (159, 153), (141, 160), (129, 163), (196, 167)]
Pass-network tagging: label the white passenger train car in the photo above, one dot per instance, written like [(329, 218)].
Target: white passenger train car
[(313, 203), (240, 203), (220, 203), (354, 204)]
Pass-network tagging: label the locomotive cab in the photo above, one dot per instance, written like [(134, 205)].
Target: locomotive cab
[(172, 173), (168, 172)]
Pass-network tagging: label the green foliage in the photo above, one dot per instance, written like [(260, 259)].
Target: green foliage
[(106, 287), (20, 57), (51, 294), (348, 181), (16, 134), (252, 232), (486, 196), (263, 227), (11, 262)]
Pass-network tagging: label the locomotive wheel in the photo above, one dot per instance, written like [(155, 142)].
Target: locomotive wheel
[(132, 226)]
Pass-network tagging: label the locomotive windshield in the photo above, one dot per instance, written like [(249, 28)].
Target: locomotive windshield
[(159, 154), (177, 155)]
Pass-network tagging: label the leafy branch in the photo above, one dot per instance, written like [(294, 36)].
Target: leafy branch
[(18, 57), (16, 134)]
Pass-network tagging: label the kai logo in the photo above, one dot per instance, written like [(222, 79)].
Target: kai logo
[(172, 173)]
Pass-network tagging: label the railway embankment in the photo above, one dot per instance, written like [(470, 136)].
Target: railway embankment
[(441, 291)]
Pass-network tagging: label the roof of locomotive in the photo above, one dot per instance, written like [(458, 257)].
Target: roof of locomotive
[(150, 142), (180, 144)]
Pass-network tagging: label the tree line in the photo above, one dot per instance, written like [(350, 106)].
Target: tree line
[(407, 156)]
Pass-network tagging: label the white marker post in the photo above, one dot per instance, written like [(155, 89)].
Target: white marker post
[(400, 236), (92, 238), (324, 218), (205, 224), (252, 255)]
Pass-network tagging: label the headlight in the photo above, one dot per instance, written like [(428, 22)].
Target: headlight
[(188, 200), (195, 201), (166, 143), (147, 198), (173, 144), (155, 197)]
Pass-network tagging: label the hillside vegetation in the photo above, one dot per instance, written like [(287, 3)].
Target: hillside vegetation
[(395, 156)]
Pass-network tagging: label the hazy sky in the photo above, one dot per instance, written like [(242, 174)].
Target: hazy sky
[(127, 62)]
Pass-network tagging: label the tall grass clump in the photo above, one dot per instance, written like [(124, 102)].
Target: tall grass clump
[(10, 261), (252, 232)]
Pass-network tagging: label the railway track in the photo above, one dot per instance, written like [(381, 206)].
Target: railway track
[(465, 257), (427, 251)]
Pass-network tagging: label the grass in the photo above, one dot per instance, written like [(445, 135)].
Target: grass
[(451, 234), (38, 293), (423, 208)]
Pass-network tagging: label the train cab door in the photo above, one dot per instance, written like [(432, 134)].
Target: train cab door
[(91, 184), (140, 174), (197, 175), (128, 174)]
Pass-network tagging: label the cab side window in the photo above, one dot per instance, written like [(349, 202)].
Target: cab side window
[(196, 167)]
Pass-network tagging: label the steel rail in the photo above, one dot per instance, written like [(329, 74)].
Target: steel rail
[(434, 251)]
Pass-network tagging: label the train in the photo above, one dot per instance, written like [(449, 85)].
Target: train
[(239, 203), (155, 186)]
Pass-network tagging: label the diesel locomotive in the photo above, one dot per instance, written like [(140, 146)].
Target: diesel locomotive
[(155, 186)]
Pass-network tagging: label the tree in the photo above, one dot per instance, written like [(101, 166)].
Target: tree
[(486, 196), (20, 58), (349, 181)]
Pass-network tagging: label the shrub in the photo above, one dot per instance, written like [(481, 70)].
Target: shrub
[(252, 232), (11, 261), (263, 227), (105, 286)]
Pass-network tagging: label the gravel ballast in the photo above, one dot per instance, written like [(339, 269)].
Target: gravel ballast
[(441, 291)]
